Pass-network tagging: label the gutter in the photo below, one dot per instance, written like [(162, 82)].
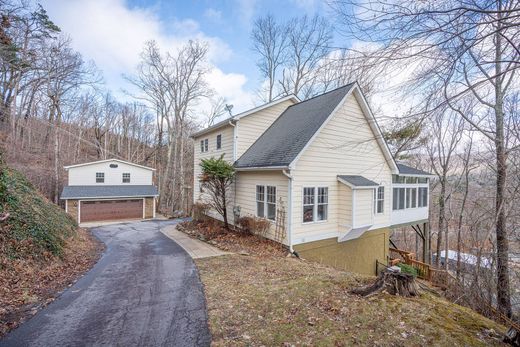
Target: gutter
[(289, 214), (235, 130)]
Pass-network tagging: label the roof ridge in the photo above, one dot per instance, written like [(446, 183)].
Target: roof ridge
[(322, 94)]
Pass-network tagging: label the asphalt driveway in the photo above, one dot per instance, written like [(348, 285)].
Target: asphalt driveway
[(144, 291)]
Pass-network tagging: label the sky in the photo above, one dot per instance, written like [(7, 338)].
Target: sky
[(112, 34)]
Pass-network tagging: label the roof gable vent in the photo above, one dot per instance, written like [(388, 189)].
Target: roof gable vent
[(113, 166)]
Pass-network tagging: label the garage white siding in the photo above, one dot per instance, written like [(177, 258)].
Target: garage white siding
[(86, 175)]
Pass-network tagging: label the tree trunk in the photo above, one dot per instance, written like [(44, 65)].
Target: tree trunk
[(503, 290), (442, 221)]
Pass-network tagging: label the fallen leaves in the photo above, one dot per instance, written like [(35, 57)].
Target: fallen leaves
[(29, 284)]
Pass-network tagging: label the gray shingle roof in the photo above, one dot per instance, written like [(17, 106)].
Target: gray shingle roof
[(102, 191), (358, 181), (291, 131), (408, 170)]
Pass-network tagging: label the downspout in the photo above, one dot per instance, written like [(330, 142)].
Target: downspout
[(234, 159), (289, 214)]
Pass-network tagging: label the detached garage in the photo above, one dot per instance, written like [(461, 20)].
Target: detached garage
[(111, 190)]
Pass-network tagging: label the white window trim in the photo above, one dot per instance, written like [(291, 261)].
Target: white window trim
[(265, 202), (376, 200), (315, 206), (408, 186)]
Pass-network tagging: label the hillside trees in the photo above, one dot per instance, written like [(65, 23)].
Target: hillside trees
[(172, 84), (458, 50)]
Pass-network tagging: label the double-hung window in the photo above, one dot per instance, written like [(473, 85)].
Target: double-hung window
[(379, 199), (219, 141), (204, 146), (266, 202), (100, 177), (126, 177), (423, 197), (315, 204)]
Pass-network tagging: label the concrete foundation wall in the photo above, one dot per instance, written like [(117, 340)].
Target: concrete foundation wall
[(359, 255)]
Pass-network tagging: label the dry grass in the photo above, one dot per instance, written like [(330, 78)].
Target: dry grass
[(273, 301), (27, 285)]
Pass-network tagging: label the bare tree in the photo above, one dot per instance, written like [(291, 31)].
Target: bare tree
[(270, 42), (309, 41), (461, 49)]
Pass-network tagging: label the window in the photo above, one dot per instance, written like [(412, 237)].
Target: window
[(266, 202), (308, 205), (315, 204), (413, 194), (423, 197), (379, 199), (219, 141), (271, 203), (260, 198), (398, 199), (323, 203), (411, 179), (423, 179), (204, 145), (126, 177), (398, 179), (100, 177)]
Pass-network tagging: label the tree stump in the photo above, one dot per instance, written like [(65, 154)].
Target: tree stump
[(391, 282)]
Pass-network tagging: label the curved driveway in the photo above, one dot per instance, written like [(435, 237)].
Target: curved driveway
[(144, 291)]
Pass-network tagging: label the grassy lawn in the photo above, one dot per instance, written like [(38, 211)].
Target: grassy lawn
[(273, 301)]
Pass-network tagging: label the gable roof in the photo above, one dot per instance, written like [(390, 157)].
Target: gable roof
[(281, 143), (246, 113), (106, 161), (102, 191), (356, 181), (408, 170)]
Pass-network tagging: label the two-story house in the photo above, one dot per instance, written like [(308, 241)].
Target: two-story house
[(109, 190), (320, 170)]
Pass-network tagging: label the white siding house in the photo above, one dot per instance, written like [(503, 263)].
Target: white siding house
[(326, 164)]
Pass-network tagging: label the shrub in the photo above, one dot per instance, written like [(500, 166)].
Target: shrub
[(255, 225), (408, 269), (200, 211)]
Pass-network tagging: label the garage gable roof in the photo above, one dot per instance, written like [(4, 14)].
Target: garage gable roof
[(105, 191)]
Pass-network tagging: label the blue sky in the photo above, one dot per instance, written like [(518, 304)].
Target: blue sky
[(113, 32)]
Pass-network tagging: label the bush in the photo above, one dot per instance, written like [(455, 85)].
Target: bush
[(255, 225), (408, 269), (200, 211)]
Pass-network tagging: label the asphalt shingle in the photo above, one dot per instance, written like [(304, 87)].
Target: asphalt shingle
[(291, 131), (408, 170), (358, 181), (102, 191)]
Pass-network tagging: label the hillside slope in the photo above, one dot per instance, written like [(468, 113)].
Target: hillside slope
[(276, 301), (41, 249)]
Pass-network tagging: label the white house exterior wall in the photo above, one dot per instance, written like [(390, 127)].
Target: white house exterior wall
[(345, 146), (252, 126), (246, 182), (86, 175)]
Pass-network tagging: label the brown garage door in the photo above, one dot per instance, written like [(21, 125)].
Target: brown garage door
[(110, 209)]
